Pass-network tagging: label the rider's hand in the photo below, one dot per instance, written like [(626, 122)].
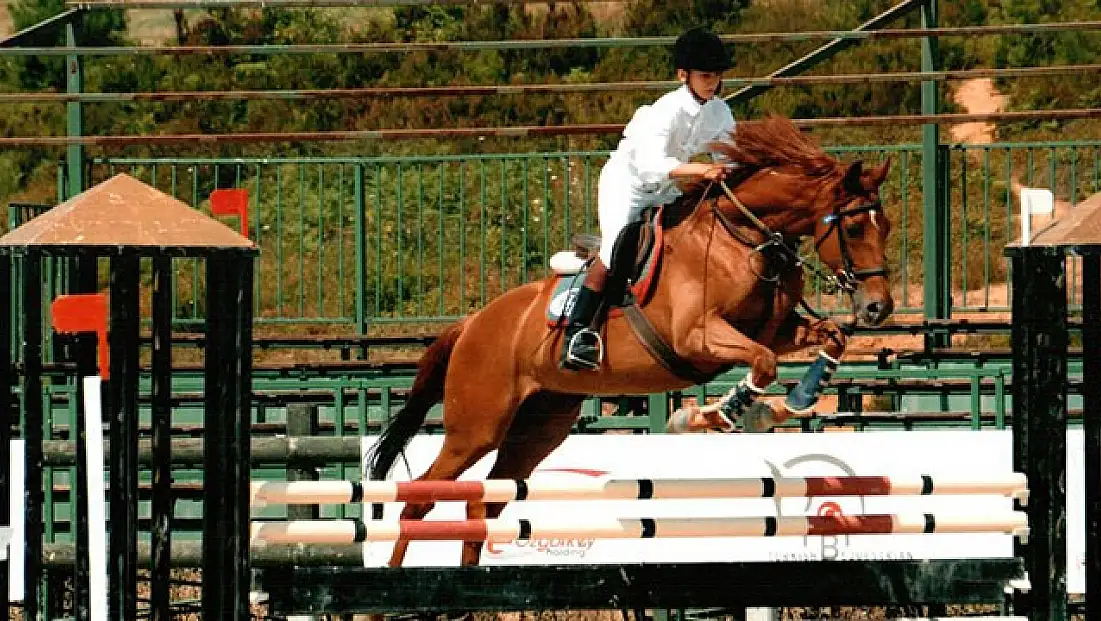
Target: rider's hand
[(716, 172), (691, 172)]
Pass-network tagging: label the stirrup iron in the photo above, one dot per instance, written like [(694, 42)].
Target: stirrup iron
[(583, 362)]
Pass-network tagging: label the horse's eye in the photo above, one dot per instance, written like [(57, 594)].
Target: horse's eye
[(854, 230)]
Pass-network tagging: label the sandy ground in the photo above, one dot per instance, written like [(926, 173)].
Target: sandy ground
[(6, 27), (977, 97)]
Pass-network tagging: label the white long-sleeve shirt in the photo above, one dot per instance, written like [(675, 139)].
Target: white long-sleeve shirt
[(665, 134)]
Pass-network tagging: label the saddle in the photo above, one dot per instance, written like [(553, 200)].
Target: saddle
[(637, 252)]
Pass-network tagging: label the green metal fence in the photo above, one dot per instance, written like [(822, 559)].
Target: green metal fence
[(985, 210), (426, 239)]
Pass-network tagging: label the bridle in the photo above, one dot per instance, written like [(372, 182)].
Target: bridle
[(846, 279)]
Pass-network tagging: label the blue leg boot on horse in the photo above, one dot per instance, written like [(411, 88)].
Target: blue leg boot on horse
[(760, 417)]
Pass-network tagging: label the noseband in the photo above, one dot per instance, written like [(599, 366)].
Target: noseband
[(845, 280), (848, 278)]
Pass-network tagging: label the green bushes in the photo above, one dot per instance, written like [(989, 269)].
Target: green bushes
[(501, 22)]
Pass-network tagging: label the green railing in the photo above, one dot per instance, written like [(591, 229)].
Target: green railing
[(426, 239), (986, 211)]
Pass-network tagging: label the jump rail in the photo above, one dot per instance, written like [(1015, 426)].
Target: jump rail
[(336, 532), (338, 492)]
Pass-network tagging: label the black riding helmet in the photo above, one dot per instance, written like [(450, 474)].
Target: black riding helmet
[(699, 49)]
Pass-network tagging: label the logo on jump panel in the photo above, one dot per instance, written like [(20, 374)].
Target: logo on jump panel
[(824, 547), (552, 547)]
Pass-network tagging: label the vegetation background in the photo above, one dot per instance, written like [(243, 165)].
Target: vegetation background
[(30, 173)]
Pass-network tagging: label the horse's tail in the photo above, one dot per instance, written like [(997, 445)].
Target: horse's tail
[(427, 391)]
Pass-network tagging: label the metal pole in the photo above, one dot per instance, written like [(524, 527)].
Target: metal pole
[(123, 408), (633, 87), (226, 567), (1091, 423), (215, 501), (86, 366), (361, 244), (935, 239), (242, 437), (86, 361), (161, 536), (74, 83), (7, 400), (1040, 337), (32, 434)]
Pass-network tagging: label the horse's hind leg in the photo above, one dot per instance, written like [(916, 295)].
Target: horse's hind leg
[(541, 425), (475, 423)]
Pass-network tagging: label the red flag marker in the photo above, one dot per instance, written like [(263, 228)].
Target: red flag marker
[(231, 202), (85, 312)]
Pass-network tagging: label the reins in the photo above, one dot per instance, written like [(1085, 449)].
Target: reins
[(845, 280)]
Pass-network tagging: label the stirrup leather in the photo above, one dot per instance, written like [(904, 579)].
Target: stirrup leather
[(573, 359)]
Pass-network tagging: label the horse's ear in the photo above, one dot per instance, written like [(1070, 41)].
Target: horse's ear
[(876, 176), (852, 183)]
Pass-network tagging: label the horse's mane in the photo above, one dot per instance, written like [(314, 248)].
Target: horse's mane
[(770, 142), (774, 141)]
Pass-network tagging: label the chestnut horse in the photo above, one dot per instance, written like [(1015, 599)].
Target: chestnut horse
[(713, 302)]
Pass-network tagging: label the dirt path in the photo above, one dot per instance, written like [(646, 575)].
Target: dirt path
[(977, 96), (980, 96), (6, 27)]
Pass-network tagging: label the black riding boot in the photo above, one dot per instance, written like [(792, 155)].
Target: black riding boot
[(581, 346)]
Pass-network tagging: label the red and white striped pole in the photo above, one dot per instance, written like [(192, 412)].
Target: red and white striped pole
[(505, 530), (340, 492)]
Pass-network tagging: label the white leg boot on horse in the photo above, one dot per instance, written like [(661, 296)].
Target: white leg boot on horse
[(723, 414), (759, 416)]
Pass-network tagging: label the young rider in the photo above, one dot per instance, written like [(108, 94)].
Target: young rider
[(655, 154)]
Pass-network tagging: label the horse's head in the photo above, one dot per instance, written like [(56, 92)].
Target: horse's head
[(796, 189), (850, 236)]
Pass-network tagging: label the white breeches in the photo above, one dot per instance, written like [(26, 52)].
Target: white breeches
[(618, 204)]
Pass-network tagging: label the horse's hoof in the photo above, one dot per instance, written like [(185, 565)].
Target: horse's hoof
[(694, 420), (681, 420), (758, 418)]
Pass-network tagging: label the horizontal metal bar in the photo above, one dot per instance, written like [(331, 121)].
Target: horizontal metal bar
[(189, 553), (336, 159), (827, 50), (516, 89), (515, 132), (236, 4), (545, 156), (638, 586), (604, 42), (1040, 144), (299, 450)]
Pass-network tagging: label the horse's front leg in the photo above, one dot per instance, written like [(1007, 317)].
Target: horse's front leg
[(797, 333), (719, 342)]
